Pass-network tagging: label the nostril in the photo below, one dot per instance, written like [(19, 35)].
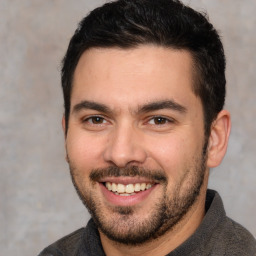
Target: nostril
[(123, 147)]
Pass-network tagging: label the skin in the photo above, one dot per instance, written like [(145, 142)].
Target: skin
[(124, 83)]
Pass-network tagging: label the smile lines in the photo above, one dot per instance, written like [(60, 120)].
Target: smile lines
[(127, 190)]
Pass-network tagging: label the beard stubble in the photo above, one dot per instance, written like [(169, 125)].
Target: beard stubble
[(123, 226)]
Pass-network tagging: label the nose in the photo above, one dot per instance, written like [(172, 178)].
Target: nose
[(125, 146)]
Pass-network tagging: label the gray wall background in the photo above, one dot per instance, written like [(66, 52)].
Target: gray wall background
[(37, 201)]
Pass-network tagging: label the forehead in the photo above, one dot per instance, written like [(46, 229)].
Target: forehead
[(133, 76)]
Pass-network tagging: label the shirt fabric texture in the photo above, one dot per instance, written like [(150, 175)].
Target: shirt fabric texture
[(217, 235)]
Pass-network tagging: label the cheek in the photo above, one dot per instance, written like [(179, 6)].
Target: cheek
[(84, 151), (169, 156), (173, 155)]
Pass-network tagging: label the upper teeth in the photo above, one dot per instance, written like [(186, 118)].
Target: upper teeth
[(129, 188)]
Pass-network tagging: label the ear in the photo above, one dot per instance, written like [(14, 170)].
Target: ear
[(63, 122), (218, 140)]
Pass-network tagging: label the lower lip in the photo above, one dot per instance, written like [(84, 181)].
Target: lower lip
[(126, 200)]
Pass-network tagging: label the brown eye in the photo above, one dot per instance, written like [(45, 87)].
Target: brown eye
[(95, 120), (158, 120)]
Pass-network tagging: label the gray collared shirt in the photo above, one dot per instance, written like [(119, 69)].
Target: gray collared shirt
[(217, 235)]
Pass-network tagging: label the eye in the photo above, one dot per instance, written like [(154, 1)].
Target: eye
[(95, 120), (159, 120)]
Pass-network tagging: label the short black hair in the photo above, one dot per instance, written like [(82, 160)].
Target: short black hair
[(167, 23)]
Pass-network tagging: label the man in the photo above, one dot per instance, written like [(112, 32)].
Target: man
[(144, 89)]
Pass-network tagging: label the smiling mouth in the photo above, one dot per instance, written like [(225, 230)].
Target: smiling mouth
[(127, 190)]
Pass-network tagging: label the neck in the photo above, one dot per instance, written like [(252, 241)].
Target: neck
[(167, 242)]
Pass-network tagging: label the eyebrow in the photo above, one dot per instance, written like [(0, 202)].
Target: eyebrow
[(91, 105), (152, 106), (165, 104)]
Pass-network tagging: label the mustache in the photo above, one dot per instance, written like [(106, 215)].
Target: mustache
[(131, 171)]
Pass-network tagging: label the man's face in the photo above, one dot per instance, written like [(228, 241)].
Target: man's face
[(135, 141)]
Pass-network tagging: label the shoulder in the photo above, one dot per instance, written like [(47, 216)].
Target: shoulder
[(224, 236), (231, 239), (236, 239), (84, 241), (67, 245)]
